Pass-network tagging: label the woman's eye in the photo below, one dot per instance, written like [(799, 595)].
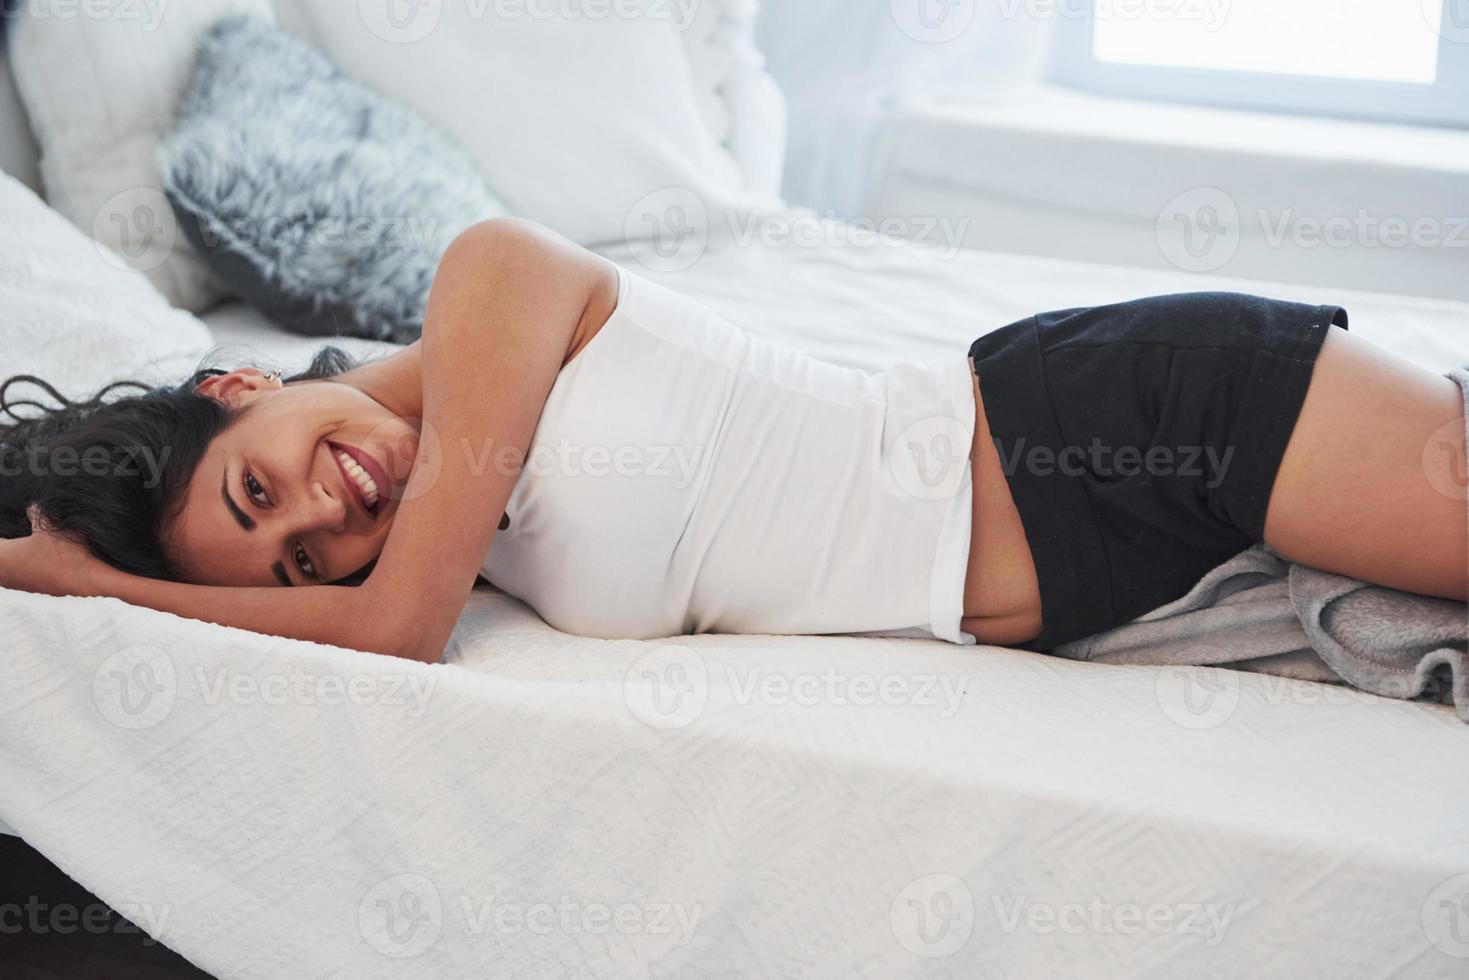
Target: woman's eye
[(256, 491), (303, 563)]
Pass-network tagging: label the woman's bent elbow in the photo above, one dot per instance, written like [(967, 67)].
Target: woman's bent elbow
[(490, 240)]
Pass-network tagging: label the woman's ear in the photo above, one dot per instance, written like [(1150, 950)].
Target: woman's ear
[(240, 386)]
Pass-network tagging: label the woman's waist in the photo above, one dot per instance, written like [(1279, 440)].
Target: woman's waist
[(844, 556)]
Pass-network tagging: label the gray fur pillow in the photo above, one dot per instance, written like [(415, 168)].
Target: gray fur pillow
[(312, 197)]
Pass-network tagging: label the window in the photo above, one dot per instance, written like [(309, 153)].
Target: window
[(1396, 60)]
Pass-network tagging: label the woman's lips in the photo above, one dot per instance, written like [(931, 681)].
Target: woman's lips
[(374, 470)]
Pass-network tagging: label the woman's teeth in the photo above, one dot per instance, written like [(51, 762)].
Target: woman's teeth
[(369, 488)]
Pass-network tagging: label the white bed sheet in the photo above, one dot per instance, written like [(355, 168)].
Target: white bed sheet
[(816, 806)]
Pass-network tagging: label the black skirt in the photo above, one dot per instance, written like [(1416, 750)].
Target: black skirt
[(1141, 441)]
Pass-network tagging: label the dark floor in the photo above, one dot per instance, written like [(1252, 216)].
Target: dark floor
[(51, 928)]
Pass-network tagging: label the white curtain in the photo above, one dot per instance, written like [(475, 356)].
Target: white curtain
[(846, 66)]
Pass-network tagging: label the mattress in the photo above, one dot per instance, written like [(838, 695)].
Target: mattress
[(545, 805)]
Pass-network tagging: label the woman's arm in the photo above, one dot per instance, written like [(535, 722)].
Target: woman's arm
[(508, 303), (50, 563), (514, 301)]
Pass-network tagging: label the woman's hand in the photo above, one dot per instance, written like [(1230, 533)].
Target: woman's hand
[(48, 562)]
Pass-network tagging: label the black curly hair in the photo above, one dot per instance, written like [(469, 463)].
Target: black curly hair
[(112, 471)]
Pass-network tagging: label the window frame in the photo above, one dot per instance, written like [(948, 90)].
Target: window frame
[(1443, 103)]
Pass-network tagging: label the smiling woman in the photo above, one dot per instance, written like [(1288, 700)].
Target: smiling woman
[(277, 499), (335, 477), (978, 500), (106, 469)]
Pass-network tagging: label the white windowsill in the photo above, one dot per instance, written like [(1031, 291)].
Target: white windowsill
[(1056, 109), (1056, 171)]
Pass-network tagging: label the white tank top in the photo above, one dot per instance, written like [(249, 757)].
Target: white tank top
[(686, 476)]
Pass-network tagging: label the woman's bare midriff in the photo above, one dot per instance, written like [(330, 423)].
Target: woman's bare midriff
[(1002, 602)]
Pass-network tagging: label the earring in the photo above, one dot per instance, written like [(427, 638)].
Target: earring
[(272, 376)]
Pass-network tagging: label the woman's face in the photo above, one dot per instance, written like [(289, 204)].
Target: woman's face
[(275, 500)]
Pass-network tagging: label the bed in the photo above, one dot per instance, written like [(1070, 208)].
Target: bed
[(743, 806), (545, 805)]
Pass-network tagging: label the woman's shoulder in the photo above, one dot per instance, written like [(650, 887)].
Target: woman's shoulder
[(606, 294), (539, 266)]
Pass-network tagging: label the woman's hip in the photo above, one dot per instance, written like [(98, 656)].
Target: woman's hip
[(1140, 441)]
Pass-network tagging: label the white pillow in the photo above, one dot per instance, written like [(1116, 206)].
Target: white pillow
[(100, 81), (573, 119), (71, 314), (737, 97)]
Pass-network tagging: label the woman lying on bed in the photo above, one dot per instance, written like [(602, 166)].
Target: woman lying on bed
[(632, 465)]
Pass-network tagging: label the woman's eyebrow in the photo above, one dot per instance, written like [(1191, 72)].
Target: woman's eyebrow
[(243, 519), (248, 523)]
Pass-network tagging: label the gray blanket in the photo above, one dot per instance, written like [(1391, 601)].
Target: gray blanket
[(1260, 612)]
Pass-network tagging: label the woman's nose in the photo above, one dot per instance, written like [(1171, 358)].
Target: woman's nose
[(322, 511)]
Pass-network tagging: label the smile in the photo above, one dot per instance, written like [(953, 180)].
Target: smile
[(358, 470)]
